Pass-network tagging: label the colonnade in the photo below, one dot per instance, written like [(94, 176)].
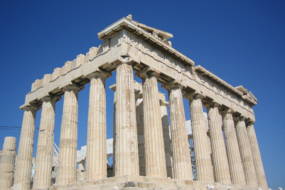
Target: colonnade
[(239, 162)]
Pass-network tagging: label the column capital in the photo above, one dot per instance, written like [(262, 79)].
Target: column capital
[(99, 74), (239, 118), (73, 87), (31, 107), (210, 104), (192, 95), (174, 84), (226, 110), (249, 122), (50, 98), (125, 60), (147, 72)]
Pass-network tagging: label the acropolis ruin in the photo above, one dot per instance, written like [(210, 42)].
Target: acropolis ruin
[(145, 156)]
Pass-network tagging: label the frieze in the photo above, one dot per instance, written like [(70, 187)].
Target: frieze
[(183, 73)]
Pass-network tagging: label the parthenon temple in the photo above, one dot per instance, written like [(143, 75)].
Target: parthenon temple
[(151, 150)]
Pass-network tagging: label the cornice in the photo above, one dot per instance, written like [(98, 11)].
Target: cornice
[(238, 90), (130, 26)]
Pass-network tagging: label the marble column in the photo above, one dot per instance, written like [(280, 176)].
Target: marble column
[(246, 154), (202, 151), (113, 87), (22, 178), (220, 161), (43, 166), (140, 130), (165, 126), (7, 163), (182, 167), (235, 163), (96, 155), (126, 153), (68, 137), (260, 174), (153, 132)]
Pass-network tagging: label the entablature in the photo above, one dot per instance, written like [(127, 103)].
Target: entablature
[(143, 53), (240, 90), (135, 27)]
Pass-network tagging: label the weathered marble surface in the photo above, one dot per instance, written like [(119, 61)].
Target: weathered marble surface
[(168, 62), (260, 174), (182, 167), (147, 183), (234, 157), (68, 137), (126, 147), (220, 160), (7, 163), (96, 155), (44, 156), (153, 131), (246, 153), (201, 142), (22, 178)]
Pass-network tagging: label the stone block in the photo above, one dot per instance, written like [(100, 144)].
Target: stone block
[(80, 60), (92, 53), (36, 85), (46, 79), (66, 67), (56, 73)]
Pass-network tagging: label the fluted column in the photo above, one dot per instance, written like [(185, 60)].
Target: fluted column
[(113, 87), (260, 174), (22, 178), (68, 137), (43, 168), (234, 158), (140, 130), (7, 163), (204, 170), (153, 132), (220, 161), (182, 167), (246, 154), (165, 126), (96, 155), (127, 162)]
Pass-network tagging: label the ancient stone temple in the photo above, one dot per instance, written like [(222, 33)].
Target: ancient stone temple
[(226, 151)]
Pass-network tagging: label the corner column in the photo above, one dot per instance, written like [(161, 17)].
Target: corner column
[(204, 169), (126, 150), (96, 155), (68, 137), (153, 132), (235, 163), (182, 167), (7, 163), (220, 161), (165, 126), (260, 174), (43, 168), (246, 154), (22, 178)]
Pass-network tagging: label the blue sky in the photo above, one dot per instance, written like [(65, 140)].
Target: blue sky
[(242, 42)]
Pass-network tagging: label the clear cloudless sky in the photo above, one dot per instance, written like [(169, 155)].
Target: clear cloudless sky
[(242, 42)]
